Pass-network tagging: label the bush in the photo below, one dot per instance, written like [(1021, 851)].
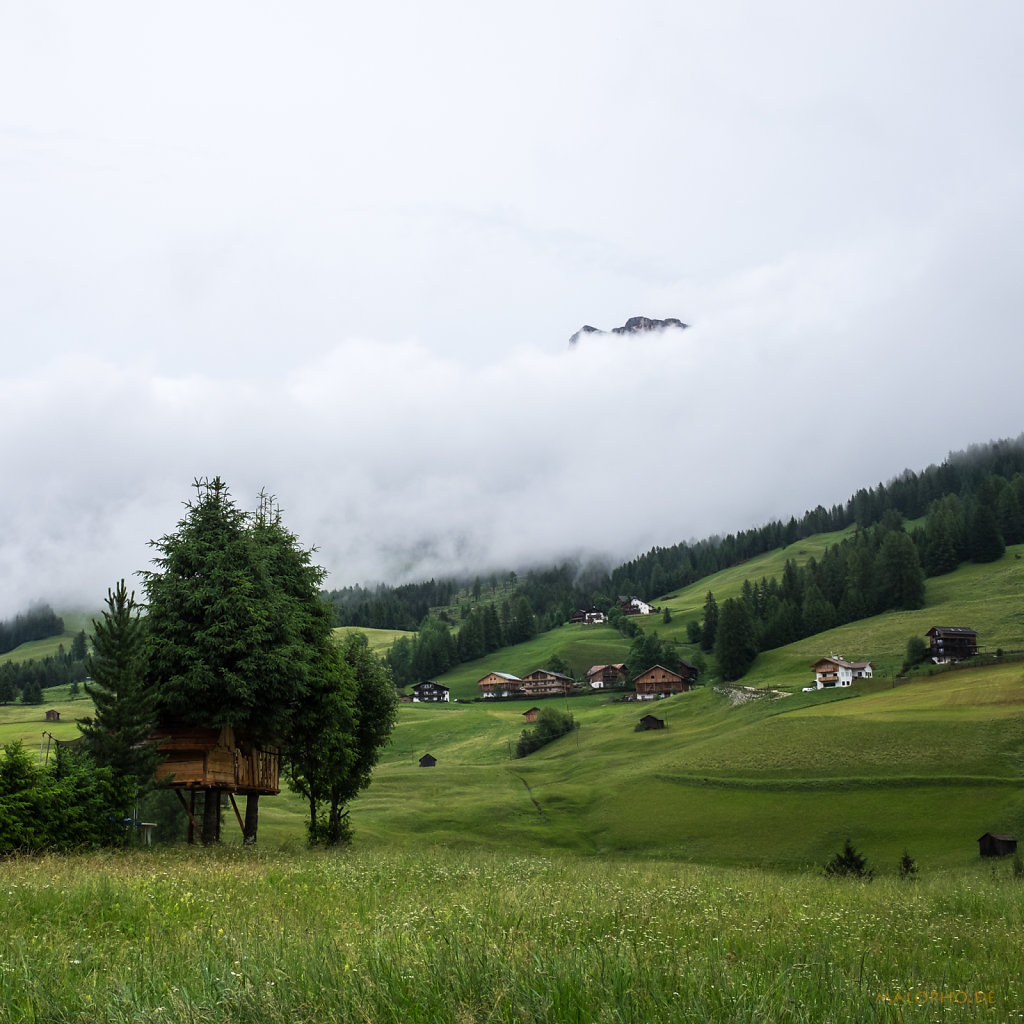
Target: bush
[(71, 805), (551, 723), (907, 867), (848, 864)]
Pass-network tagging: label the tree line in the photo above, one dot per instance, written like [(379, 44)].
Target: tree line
[(877, 569), (36, 623), (435, 648), (973, 502), (26, 680)]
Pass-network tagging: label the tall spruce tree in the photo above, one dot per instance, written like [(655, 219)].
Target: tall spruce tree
[(225, 644), (118, 735), (709, 626), (735, 639)]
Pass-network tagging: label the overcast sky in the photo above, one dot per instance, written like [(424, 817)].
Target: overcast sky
[(336, 251)]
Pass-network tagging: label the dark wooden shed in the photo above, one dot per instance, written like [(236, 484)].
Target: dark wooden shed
[(531, 714), (53, 715), (428, 761), (649, 722), (996, 844)]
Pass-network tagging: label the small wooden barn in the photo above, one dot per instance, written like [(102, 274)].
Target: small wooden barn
[(996, 844), (428, 761), (649, 722), (531, 714), (53, 715)]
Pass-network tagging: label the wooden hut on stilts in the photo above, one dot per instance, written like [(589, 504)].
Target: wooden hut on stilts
[(215, 762)]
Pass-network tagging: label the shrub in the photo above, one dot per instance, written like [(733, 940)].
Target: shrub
[(551, 723), (907, 867), (848, 864)]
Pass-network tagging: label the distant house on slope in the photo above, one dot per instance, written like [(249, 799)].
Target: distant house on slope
[(592, 617), (634, 606), (604, 677), (688, 671), (649, 722), (834, 671), (544, 683), (428, 761), (951, 643), (429, 692), (500, 684), (659, 681)]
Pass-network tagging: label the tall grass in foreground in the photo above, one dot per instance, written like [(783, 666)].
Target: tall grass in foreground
[(434, 937)]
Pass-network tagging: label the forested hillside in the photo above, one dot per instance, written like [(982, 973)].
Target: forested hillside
[(918, 525)]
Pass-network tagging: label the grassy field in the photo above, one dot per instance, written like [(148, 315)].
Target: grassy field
[(438, 935)]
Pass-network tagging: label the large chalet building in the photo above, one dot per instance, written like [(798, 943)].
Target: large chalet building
[(542, 683), (659, 681), (951, 643), (500, 684), (606, 677), (429, 692)]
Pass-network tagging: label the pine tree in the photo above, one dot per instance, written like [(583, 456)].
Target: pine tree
[(710, 624), (987, 543), (899, 572), (735, 643), (118, 736)]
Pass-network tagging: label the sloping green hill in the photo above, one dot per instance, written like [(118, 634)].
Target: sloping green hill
[(925, 765)]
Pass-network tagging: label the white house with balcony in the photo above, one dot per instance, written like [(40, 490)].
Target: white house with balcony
[(834, 671)]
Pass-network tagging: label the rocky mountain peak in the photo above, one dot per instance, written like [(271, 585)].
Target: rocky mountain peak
[(634, 325)]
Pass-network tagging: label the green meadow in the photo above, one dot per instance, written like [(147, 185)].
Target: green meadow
[(435, 934)]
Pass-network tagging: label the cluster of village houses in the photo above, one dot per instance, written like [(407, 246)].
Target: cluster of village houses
[(657, 681), (946, 644)]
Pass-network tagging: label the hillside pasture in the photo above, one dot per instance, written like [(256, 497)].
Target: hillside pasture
[(927, 766), (930, 766)]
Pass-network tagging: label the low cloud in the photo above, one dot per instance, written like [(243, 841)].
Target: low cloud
[(399, 463)]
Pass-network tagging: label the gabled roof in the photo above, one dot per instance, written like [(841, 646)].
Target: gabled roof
[(842, 664), (501, 675), (956, 630), (554, 675), (670, 671)]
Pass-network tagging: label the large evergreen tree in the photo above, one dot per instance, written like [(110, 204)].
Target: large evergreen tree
[(710, 624), (901, 579), (235, 625), (735, 642)]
